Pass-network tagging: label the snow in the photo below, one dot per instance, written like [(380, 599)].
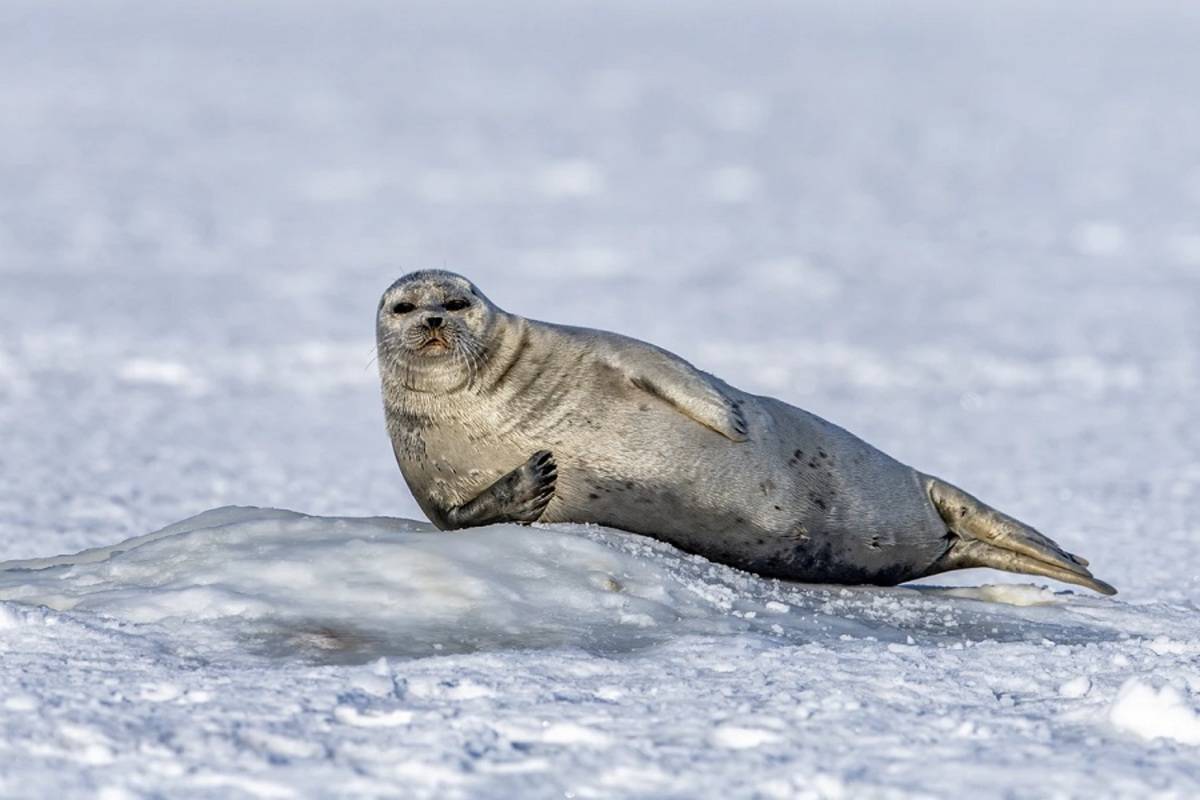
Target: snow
[(1076, 687), (1164, 713), (505, 659), (333, 590), (966, 232)]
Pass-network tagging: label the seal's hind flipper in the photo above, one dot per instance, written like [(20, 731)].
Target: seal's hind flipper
[(986, 537), (967, 553)]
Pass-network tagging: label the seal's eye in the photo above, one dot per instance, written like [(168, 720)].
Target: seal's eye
[(455, 305), (402, 308)]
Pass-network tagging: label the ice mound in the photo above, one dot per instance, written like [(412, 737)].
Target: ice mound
[(277, 582)]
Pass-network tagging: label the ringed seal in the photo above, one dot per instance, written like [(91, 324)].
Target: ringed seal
[(497, 418)]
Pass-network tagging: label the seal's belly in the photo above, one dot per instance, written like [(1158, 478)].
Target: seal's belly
[(805, 500)]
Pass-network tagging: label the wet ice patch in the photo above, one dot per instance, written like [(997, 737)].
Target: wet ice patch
[(282, 584), (1012, 594)]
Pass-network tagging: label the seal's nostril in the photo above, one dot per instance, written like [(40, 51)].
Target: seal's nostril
[(434, 322)]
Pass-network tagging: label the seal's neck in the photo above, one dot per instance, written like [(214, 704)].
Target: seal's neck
[(507, 346)]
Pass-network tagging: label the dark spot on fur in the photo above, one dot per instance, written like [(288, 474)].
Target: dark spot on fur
[(644, 407), (812, 463), (628, 484), (739, 520), (819, 503), (593, 496), (874, 543), (799, 454), (761, 541), (822, 560), (822, 454), (777, 508)]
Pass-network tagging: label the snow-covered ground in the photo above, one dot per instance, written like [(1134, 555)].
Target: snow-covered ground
[(968, 232)]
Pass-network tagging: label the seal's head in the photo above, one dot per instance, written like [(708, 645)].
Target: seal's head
[(432, 330)]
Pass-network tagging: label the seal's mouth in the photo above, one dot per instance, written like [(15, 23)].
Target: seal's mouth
[(434, 344)]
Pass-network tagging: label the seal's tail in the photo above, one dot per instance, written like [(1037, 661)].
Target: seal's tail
[(985, 537)]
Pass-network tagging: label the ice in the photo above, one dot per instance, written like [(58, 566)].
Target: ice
[(545, 651), (1076, 687), (966, 232), (737, 738), (1163, 713), (342, 590)]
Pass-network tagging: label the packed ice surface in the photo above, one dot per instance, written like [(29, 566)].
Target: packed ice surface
[(282, 584), (512, 660), (967, 232)]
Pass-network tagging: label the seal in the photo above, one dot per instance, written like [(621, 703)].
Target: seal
[(497, 418)]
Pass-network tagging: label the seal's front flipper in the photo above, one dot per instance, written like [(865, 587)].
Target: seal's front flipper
[(985, 537), (520, 496), (695, 395), (668, 377)]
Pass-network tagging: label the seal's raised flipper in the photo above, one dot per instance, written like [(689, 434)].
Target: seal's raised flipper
[(520, 496), (695, 397), (985, 537), (694, 393)]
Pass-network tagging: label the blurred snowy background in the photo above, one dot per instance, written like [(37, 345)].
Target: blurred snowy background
[(970, 233)]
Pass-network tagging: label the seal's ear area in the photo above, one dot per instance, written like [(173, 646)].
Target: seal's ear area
[(477, 293), (693, 393)]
